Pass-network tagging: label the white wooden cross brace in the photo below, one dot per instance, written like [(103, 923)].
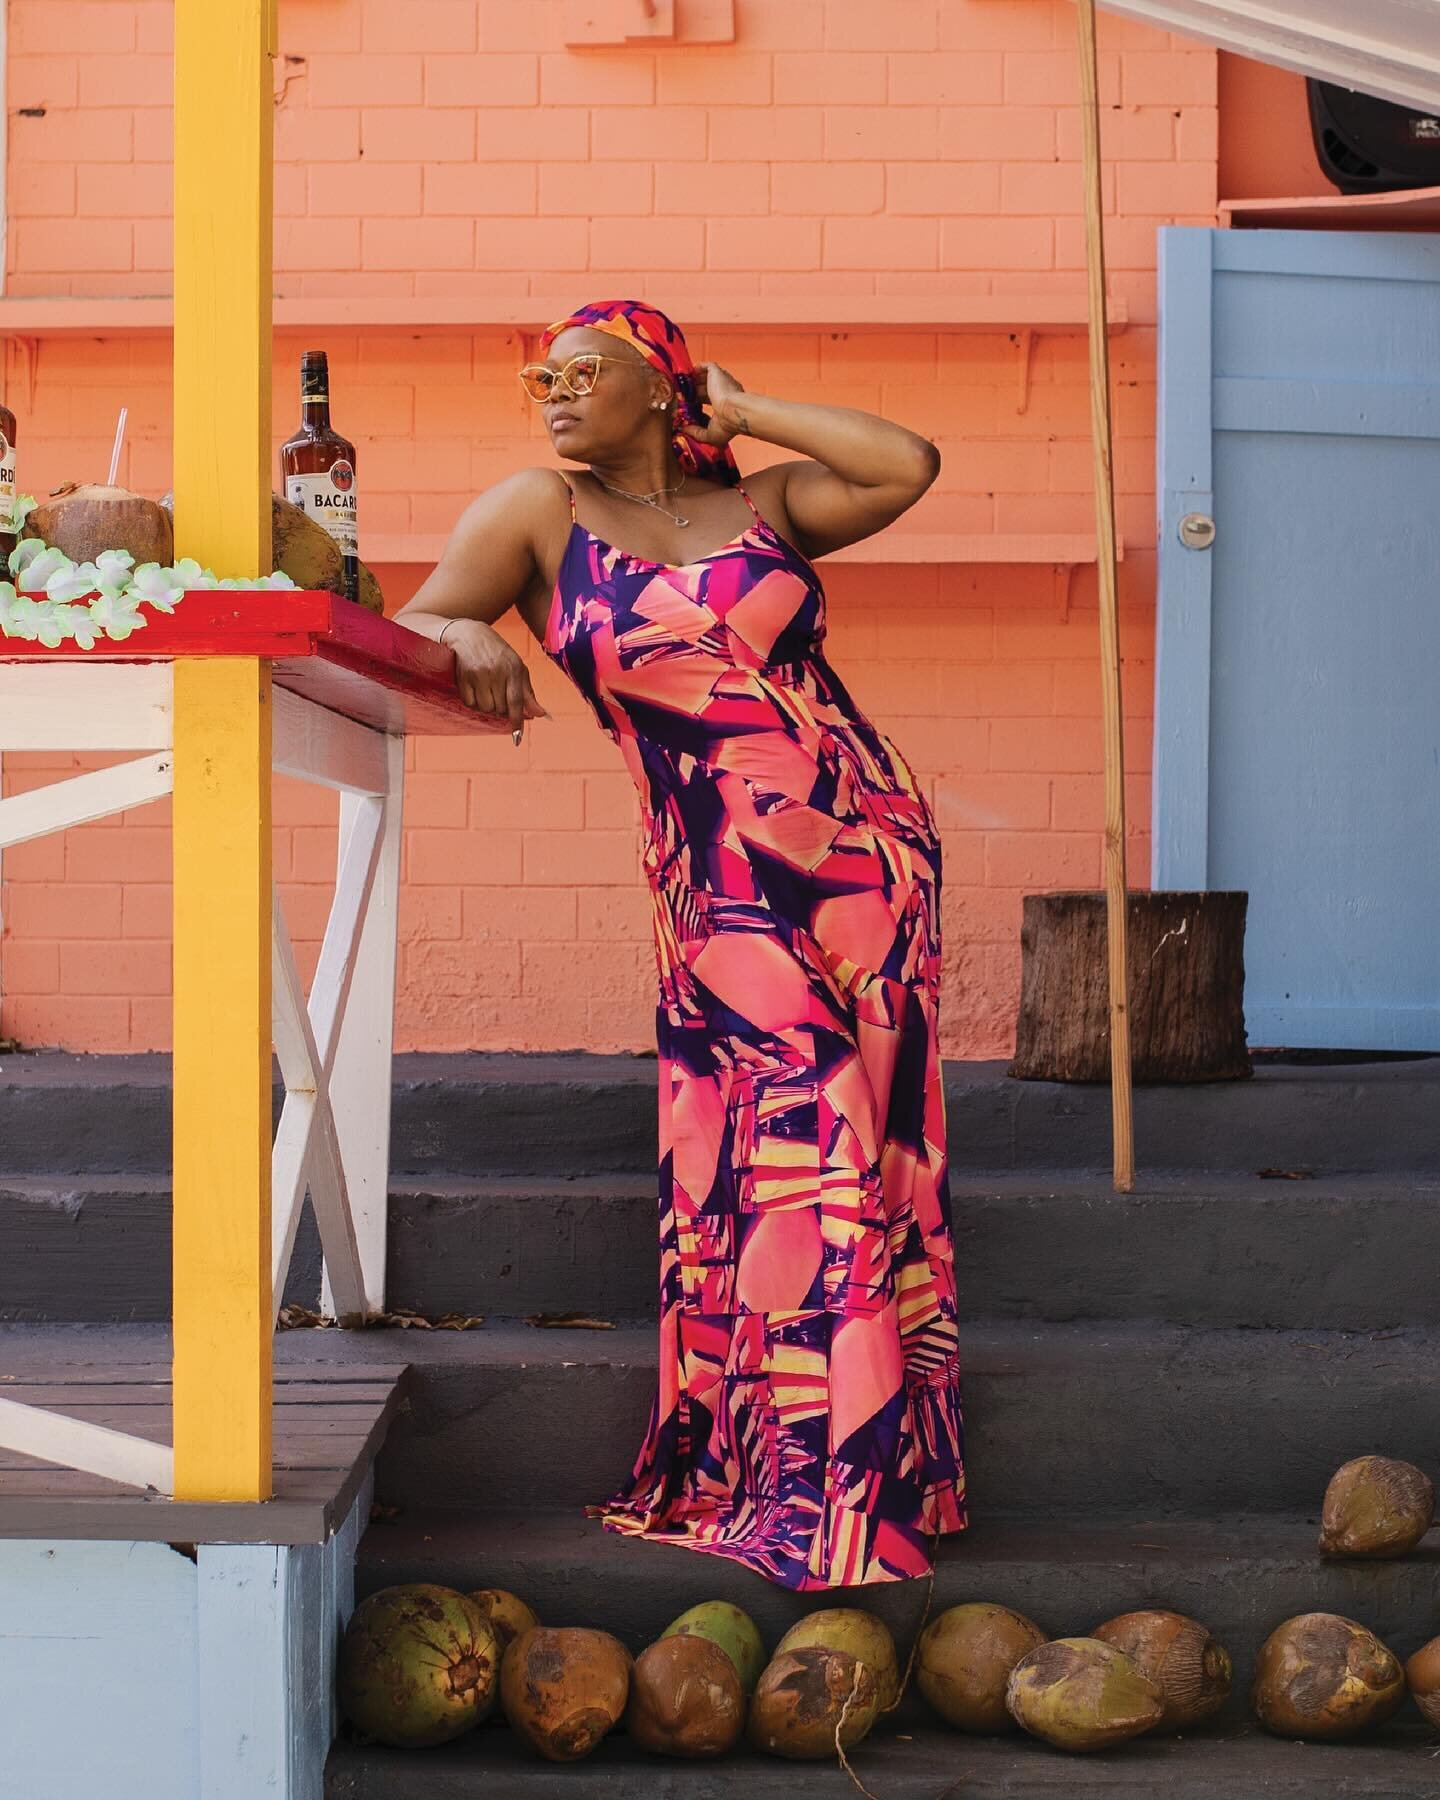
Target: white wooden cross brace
[(80, 798), (307, 1145), (334, 1054)]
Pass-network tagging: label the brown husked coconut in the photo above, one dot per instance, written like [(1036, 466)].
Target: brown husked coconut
[(564, 1687), (733, 1630), (305, 552), (1179, 1655), (866, 1637), (1422, 1676), (310, 556), (963, 1664), (83, 518), (801, 1697), (1081, 1694), (685, 1698), (1321, 1675), (1376, 1506)]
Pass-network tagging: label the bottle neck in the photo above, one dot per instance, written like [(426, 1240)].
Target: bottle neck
[(315, 413)]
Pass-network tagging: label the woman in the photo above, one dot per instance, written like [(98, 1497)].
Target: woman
[(808, 1421)]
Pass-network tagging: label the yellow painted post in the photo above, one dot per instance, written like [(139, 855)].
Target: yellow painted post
[(224, 1319), (224, 104), (221, 1257)]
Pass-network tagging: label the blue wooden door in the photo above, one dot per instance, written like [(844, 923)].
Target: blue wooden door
[(1297, 709)]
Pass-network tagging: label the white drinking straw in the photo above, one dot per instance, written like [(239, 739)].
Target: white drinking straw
[(119, 440)]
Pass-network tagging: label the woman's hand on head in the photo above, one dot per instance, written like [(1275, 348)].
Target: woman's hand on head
[(717, 389), (491, 677)]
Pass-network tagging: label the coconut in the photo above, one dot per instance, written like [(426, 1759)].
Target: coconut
[(1081, 1694), (1376, 1506), (866, 1638), (507, 1613), (84, 518), (1422, 1676), (311, 557), (734, 1631), (964, 1661), (685, 1698), (417, 1665), (564, 1688), (1321, 1675), (802, 1696), (508, 1616), (307, 553), (1179, 1655)]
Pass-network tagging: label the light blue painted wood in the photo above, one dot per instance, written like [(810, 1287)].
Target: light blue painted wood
[(204, 1680), (1315, 783), (97, 1672), (1335, 408), (1387, 255), (1179, 797)]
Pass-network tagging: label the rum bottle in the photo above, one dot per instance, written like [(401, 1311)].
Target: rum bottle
[(318, 466), (8, 527)]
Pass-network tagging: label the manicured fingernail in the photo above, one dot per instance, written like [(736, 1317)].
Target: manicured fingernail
[(515, 738)]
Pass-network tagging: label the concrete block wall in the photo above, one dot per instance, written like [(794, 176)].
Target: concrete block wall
[(459, 148)]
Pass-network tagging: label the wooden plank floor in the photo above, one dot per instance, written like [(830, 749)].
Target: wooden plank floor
[(329, 1423)]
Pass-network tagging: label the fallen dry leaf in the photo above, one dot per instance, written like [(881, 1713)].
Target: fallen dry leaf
[(571, 1320)]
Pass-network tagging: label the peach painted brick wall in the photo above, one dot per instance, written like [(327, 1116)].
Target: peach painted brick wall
[(457, 147)]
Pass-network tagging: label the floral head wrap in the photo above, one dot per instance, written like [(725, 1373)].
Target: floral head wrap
[(662, 343)]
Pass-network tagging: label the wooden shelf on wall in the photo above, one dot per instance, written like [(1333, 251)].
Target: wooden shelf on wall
[(899, 547), (1040, 310), (1410, 209)]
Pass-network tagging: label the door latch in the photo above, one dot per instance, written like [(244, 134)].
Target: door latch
[(1197, 531)]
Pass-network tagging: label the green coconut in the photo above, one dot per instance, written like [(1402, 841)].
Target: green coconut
[(564, 1688), (1321, 1675), (417, 1665), (509, 1616), (805, 1695), (734, 1631), (865, 1637), (1081, 1694), (964, 1661), (685, 1698), (507, 1613)]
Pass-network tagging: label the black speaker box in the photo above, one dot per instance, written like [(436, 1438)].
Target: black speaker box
[(1370, 146)]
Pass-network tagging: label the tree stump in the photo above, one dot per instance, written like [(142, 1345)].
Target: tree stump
[(1186, 957)]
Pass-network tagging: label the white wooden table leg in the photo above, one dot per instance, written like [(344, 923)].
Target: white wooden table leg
[(360, 1080)]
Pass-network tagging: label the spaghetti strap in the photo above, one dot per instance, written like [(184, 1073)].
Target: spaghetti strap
[(748, 501), (569, 490)]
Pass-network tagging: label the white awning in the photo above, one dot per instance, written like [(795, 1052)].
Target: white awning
[(1385, 47)]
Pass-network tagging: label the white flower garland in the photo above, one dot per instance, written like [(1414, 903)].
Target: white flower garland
[(49, 599)]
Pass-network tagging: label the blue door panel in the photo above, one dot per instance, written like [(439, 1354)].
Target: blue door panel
[(1297, 733)]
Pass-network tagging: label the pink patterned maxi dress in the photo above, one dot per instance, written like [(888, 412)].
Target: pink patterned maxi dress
[(808, 1421)]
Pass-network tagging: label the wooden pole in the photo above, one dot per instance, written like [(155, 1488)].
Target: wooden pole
[(1116, 889), (223, 1314)]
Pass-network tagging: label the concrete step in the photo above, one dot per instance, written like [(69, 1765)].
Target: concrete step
[(579, 1114), (1235, 1762), (95, 1248), (1242, 1574), (1062, 1421), (1355, 1251), (1072, 1420)]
